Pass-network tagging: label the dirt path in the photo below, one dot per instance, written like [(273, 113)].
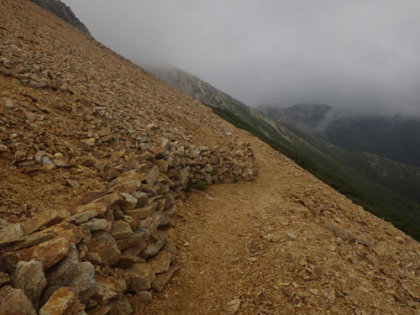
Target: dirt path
[(271, 244)]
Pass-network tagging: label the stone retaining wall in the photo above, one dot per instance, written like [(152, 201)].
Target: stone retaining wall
[(117, 241)]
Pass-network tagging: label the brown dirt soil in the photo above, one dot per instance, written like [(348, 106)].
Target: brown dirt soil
[(234, 244)]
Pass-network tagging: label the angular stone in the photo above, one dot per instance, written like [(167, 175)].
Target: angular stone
[(63, 302), (170, 247), (137, 214), (14, 301), (39, 155), (232, 307), (129, 186), (104, 290), (133, 162), (121, 306), (99, 208), (4, 279), (8, 102), (162, 165), (139, 277), (154, 247), (151, 223), (152, 176), (11, 234), (160, 204), (90, 142), (72, 183), (171, 173), (60, 161), (3, 148), (49, 253), (71, 232), (128, 182), (80, 278), (145, 296), (92, 196), (126, 261), (142, 199), (101, 205), (46, 160), (41, 220), (104, 245), (108, 173), (95, 224), (70, 272), (129, 202), (160, 263), (95, 258), (85, 277), (135, 250), (167, 218), (82, 217), (165, 182), (162, 279), (121, 229), (30, 278), (291, 236), (135, 239)]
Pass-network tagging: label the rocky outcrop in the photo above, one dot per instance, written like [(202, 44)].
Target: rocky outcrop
[(121, 231), (63, 11)]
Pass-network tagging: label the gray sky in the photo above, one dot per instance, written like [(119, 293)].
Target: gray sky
[(354, 53)]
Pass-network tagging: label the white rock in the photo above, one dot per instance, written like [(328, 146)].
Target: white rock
[(232, 307), (129, 202)]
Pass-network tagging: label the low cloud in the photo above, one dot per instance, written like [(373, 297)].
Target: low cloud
[(357, 54)]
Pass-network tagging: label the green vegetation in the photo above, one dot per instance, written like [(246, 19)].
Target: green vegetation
[(199, 186)]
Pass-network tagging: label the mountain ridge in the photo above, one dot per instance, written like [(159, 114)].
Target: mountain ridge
[(395, 137), (64, 12)]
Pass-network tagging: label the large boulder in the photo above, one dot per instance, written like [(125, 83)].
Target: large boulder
[(49, 253), (105, 248)]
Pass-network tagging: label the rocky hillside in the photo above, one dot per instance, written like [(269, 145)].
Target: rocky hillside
[(94, 155), (98, 164), (63, 11)]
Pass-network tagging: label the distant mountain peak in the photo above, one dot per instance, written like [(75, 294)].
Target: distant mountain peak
[(63, 11)]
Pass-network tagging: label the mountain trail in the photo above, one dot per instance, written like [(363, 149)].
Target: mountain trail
[(281, 245)]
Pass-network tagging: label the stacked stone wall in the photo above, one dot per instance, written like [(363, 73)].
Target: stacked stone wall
[(116, 242)]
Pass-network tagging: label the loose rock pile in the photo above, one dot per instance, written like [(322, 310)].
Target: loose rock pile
[(117, 241)]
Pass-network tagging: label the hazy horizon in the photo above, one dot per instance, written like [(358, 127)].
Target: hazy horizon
[(354, 54)]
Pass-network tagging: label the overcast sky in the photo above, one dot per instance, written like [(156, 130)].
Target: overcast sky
[(354, 53)]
